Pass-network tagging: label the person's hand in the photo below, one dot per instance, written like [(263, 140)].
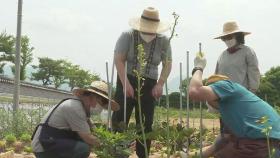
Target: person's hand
[(200, 60), (129, 90), (96, 141), (157, 91)]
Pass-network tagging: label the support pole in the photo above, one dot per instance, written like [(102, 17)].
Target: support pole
[(17, 59)]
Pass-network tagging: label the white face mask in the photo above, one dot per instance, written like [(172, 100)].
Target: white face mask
[(230, 43), (97, 109), (211, 109), (147, 38)]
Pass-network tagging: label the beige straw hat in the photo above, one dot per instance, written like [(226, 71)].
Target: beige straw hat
[(100, 88), (231, 27), (215, 78), (149, 22)]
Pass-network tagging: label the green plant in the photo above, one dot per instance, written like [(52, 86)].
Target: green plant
[(26, 138), (139, 75), (266, 130), (113, 144), (28, 149), (10, 139)]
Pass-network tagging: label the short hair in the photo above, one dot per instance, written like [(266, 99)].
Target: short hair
[(239, 36)]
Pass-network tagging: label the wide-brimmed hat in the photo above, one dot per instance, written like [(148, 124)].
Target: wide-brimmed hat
[(231, 27), (100, 88), (149, 22), (215, 78)]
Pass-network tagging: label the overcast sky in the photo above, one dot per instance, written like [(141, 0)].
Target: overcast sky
[(85, 31)]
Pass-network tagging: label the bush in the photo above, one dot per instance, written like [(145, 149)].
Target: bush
[(26, 138), (10, 138)]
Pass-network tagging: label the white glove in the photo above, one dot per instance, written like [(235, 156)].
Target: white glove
[(199, 60)]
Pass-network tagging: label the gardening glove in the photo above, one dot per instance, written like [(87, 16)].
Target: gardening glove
[(200, 60)]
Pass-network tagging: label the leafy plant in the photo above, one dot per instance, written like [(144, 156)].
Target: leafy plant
[(266, 130), (113, 144), (26, 138), (28, 149), (10, 139)]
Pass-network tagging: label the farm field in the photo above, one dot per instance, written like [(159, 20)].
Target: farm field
[(30, 114)]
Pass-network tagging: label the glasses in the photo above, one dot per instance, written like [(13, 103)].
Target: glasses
[(228, 37)]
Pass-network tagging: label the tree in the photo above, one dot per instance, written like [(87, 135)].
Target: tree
[(6, 47), (59, 73), (26, 57), (44, 70), (270, 86), (78, 77)]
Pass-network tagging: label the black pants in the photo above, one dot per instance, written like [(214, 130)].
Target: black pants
[(147, 109)]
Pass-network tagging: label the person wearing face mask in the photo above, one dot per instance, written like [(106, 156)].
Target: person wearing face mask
[(244, 113), (65, 131), (146, 30), (239, 62)]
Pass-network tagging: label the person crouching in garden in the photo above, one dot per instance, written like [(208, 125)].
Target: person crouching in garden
[(65, 131), (251, 121)]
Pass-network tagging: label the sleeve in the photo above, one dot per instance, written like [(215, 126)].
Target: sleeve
[(122, 45), (223, 89), (76, 117), (166, 50), (253, 72)]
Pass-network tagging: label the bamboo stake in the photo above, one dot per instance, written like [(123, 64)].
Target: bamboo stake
[(181, 104), (125, 78), (200, 129), (110, 94), (187, 92), (107, 75), (200, 107)]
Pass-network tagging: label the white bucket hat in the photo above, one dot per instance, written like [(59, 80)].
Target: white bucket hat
[(100, 88), (229, 28), (149, 22)]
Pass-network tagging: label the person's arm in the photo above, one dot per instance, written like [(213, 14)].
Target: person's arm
[(120, 66), (198, 92), (165, 71), (89, 138), (253, 71)]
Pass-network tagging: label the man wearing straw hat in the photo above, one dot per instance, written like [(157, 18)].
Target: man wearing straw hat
[(146, 31), (247, 117), (65, 131), (239, 62)]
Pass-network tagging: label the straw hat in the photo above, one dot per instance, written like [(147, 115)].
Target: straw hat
[(231, 28), (149, 22), (100, 88), (216, 78)]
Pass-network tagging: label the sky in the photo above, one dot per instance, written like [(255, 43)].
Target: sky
[(84, 32)]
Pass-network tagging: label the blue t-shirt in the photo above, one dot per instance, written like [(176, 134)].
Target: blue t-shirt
[(240, 109)]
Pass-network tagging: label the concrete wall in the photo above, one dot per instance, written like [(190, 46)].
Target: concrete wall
[(28, 89)]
